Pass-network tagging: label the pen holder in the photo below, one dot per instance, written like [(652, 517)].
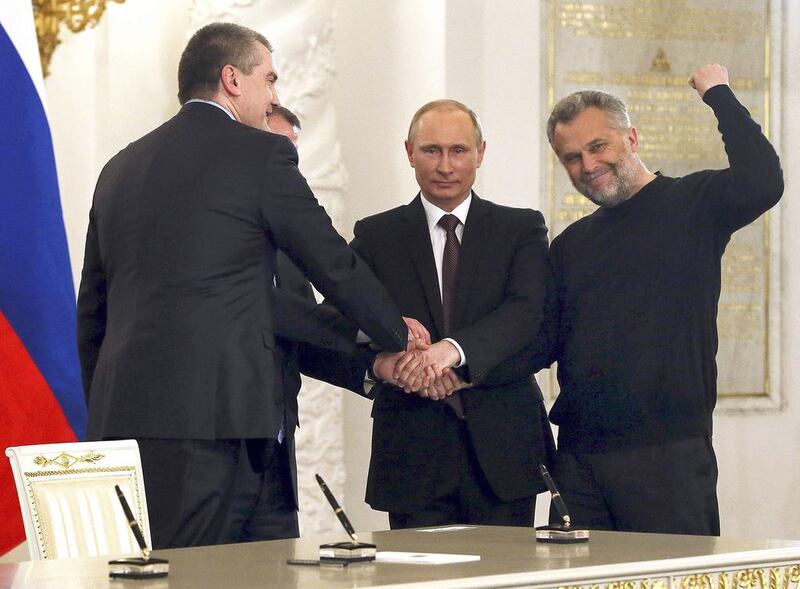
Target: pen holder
[(347, 551), (561, 534), (138, 568)]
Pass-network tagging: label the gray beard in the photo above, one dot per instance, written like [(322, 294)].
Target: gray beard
[(620, 190)]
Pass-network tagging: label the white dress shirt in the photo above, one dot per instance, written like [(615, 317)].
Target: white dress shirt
[(438, 237), (211, 102)]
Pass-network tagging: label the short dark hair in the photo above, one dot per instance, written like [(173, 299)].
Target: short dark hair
[(209, 50), (447, 104), (571, 106), (284, 112)]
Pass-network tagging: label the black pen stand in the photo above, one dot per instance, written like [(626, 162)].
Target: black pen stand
[(561, 534), (347, 552), (138, 568)]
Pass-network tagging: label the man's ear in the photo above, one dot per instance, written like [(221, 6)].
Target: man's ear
[(410, 152), (633, 139), (229, 78), (481, 151)]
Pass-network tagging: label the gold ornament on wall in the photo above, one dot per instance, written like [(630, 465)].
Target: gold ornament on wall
[(49, 15), (660, 63)]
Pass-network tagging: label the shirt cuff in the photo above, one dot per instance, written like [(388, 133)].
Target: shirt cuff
[(462, 358)]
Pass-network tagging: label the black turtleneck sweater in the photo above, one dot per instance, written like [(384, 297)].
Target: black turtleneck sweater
[(637, 288)]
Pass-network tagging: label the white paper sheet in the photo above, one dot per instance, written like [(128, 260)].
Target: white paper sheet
[(424, 557), (447, 529)]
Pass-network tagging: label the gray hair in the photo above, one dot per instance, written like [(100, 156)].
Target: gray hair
[(571, 106)]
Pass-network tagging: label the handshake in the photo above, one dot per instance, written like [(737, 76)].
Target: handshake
[(425, 368)]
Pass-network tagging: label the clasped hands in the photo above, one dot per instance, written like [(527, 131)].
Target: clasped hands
[(425, 368)]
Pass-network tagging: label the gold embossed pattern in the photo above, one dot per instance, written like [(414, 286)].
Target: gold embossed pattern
[(66, 461), (781, 577)]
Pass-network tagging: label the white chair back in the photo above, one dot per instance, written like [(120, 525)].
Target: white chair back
[(69, 505)]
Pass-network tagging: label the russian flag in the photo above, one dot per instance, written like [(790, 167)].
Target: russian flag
[(41, 395)]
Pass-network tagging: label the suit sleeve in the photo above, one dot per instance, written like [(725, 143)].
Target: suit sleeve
[(91, 318), (516, 321), (359, 244), (302, 229), (541, 352), (346, 371), (301, 320)]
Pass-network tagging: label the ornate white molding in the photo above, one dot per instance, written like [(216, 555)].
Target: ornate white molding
[(320, 449), (203, 12)]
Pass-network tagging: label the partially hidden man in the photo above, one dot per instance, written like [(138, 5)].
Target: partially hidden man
[(312, 339), (176, 311), (637, 285), (474, 274)]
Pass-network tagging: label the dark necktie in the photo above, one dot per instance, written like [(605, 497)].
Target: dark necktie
[(449, 271)]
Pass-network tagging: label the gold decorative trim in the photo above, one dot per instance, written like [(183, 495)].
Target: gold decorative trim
[(646, 583), (45, 473), (779, 577), (49, 15), (66, 460), (750, 579), (699, 581)]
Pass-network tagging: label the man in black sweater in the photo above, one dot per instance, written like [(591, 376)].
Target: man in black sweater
[(636, 287)]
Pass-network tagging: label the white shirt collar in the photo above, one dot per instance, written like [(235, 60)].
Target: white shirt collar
[(434, 213), (217, 104)]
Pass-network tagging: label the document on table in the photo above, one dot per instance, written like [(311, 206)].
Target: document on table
[(423, 557), (447, 529)]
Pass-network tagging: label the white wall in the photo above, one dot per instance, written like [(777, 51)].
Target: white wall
[(107, 87), (393, 57)]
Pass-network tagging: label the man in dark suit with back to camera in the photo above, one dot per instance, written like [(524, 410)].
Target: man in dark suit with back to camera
[(474, 274), (637, 283), (176, 313)]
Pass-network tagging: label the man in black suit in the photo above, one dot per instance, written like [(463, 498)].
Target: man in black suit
[(472, 457), (176, 310), (312, 339)]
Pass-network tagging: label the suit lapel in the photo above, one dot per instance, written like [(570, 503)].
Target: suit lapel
[(472, 254), (417, 239)]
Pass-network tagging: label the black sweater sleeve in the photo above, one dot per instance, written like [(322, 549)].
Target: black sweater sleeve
[(754, 181)]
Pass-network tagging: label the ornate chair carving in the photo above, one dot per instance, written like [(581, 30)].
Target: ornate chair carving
[(69, 506)]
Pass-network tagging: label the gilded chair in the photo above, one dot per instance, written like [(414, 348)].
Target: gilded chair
[(69, 505)]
